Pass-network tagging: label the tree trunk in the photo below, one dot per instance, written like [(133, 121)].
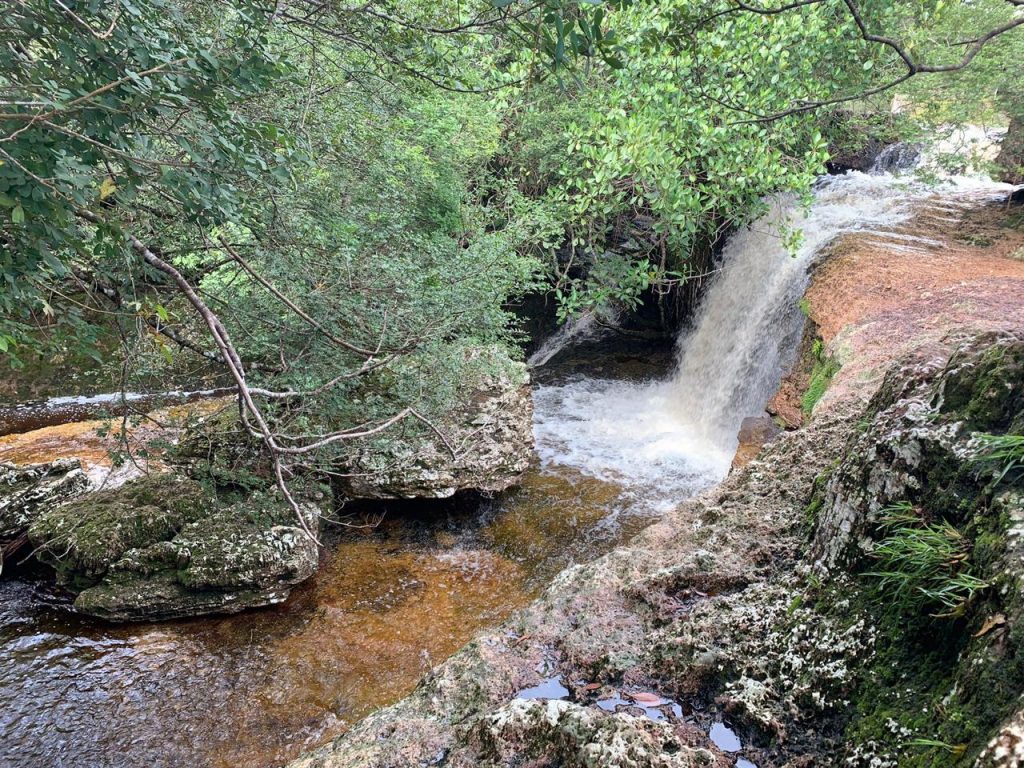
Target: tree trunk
[(1011, 156)]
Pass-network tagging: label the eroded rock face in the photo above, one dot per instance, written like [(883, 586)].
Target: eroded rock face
[(27, 492), (160, 548), (490, 446), (919, 440)]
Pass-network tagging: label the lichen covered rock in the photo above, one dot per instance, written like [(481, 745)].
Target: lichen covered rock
[(759, 602), (27, 492), (572, 736), (1006, 750), (488, 446), (161, 548), (83, 538)]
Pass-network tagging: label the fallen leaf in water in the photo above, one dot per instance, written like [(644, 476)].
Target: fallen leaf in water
[(646, 699), (991, 623)]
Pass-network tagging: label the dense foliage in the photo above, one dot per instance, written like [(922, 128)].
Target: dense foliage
[(335, 204)]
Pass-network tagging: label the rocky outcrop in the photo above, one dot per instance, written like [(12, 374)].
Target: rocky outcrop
[(26, 492), (922, 444), (160, 548), (761, 602), (487, 446)]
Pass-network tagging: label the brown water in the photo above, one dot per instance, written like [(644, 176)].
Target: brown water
[(24, 417), (258, 689)]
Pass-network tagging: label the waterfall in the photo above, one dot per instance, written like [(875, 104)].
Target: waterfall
[(573, 331), (748, 326), (671, 438)]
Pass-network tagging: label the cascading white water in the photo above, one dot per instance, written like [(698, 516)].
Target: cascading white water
[(672, 438), (573, 331)]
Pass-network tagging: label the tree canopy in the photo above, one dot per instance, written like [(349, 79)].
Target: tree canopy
[(334, 205)]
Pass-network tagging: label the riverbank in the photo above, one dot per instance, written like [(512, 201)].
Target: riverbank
[(735, 610)]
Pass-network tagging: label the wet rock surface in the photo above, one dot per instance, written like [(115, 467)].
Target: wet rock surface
[(755, 433), (755, 603), (159, 547)]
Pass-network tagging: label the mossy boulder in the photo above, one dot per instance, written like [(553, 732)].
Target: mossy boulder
[(942, 678), (83, 538), (160, 547)]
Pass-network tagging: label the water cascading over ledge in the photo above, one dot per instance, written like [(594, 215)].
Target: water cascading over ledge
[(666, 440)]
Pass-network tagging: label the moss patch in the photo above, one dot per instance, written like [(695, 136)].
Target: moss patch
[(825, 368), (82, 538), (938, 686)]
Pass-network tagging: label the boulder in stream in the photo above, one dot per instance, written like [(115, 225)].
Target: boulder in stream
[(160, 548), (484, 444), (26, 492), (488, 446)]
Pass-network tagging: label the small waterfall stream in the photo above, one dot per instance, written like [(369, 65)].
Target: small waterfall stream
[(388, 603), (668, 439)]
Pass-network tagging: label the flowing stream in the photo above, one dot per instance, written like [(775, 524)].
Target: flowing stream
[(614, 452)]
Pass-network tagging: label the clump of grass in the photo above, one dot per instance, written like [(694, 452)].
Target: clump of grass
[(1004, 453), (924, 565), (821, 376), (955, 750)]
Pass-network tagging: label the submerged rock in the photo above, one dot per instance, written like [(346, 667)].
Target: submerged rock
[(160, 548)]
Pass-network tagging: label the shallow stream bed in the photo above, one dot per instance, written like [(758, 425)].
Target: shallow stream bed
[(259, 688)]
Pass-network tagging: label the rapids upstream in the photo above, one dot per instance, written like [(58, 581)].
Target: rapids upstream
[(614, 451)]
